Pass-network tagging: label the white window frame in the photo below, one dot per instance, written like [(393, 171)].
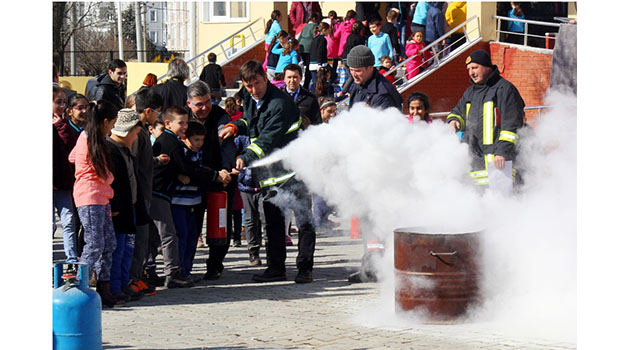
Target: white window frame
[(207, 7), (155, 36), (153, 13)]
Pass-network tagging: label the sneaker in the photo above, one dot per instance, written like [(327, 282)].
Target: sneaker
[(141, 287), (304, 276), (254, 260), (177, 280), (236, 243), (133, 294), (270, 276), (287, 241), (153, 278), (121, 296)]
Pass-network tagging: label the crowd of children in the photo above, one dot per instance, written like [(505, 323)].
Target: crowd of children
[(133, 179)]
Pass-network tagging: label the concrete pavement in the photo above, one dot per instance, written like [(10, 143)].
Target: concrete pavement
[(236, 313)]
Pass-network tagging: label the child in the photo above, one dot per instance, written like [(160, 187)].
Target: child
[(125, 186), (319, 52), (187, 195), (147, 105), (156, 129), (232, 108), (252, 205), (63, 142), (278, 81), (355, 38), (418, 106), (386, 65), (332, 44), (322, 84), (321, 210), (272, 28), (389, 28), (212, 74), (327, 108), (379, 42), (92, 192), (420, 62), (273, 54), (287, 55), (165, 178)]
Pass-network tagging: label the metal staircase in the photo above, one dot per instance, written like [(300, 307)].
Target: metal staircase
[(472, 29), (228, 49)]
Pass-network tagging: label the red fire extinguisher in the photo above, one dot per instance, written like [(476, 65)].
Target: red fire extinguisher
[(217, 217)]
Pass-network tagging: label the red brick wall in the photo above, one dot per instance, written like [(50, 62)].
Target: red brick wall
[(528, 70), (230, 70)]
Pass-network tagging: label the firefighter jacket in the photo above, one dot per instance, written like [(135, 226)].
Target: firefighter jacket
[(270, 126), (490, 115)]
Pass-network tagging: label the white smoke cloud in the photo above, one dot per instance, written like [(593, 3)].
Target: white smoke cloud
[(375, 165)]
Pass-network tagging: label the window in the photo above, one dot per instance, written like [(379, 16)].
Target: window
[(225, 11), (153, 36), (153, 16)]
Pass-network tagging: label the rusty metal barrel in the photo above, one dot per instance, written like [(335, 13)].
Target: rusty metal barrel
[(436, 271)]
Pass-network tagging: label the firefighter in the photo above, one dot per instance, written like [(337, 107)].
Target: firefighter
[(489, 114)]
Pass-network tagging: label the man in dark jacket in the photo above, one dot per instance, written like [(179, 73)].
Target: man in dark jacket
[(369, 85), (215, 155), (489, 113), (376, 91), (173, 91), (271, 120), (213, 75), (111, 87), (305, 101)]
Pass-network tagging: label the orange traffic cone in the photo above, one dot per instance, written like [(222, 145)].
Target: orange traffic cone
[(355, 228)]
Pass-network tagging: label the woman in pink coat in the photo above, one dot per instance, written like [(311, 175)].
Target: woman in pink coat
[(332, 44)]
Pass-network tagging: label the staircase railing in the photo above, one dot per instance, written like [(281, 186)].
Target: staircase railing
[(525, 35), (228, 49), (441, 56)]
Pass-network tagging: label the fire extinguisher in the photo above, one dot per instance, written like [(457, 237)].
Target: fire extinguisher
[(217, 217)]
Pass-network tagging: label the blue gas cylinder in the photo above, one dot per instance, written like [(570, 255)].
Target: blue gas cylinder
[(76, 311)]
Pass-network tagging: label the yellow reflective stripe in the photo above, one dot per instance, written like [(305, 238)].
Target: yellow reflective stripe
[(488, 123), (244, 121), (259, 152), (253, 139), (462, 123), (508, 136), (295, 126), (481, 182), (476, 174), (276, 180)]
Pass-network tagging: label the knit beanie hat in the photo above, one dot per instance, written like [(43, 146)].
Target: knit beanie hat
[(127, 120), (481, 57), (360, 56)]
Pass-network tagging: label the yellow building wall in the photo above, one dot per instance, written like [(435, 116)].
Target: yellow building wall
[(78, 83), (136, 72)]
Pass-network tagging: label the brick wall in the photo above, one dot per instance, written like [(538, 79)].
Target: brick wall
[(230, 70), (529, 70)]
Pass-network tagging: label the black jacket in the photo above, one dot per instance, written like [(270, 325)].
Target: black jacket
[(122, 202), (319, 52), (165, 176), (377, 92), (107, 90), (352, 41), (173, 92), (506, 105), (212, 74), (270, 127), (217, 155), (307, 106), (390, 30)]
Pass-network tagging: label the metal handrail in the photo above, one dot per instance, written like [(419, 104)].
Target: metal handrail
[(224, 56), (403, 84), (526, 32)]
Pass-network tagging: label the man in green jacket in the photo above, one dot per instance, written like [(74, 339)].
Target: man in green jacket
[(271, 120)]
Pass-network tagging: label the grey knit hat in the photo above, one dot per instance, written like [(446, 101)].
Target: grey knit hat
[(127, 120), (360, 56)]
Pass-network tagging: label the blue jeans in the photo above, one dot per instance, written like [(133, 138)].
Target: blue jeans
[(187, 234), (121, 262), (62, 203)]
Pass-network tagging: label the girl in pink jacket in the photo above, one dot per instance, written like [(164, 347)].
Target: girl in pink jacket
[(343, 30), (420, 62), (92, 192)]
